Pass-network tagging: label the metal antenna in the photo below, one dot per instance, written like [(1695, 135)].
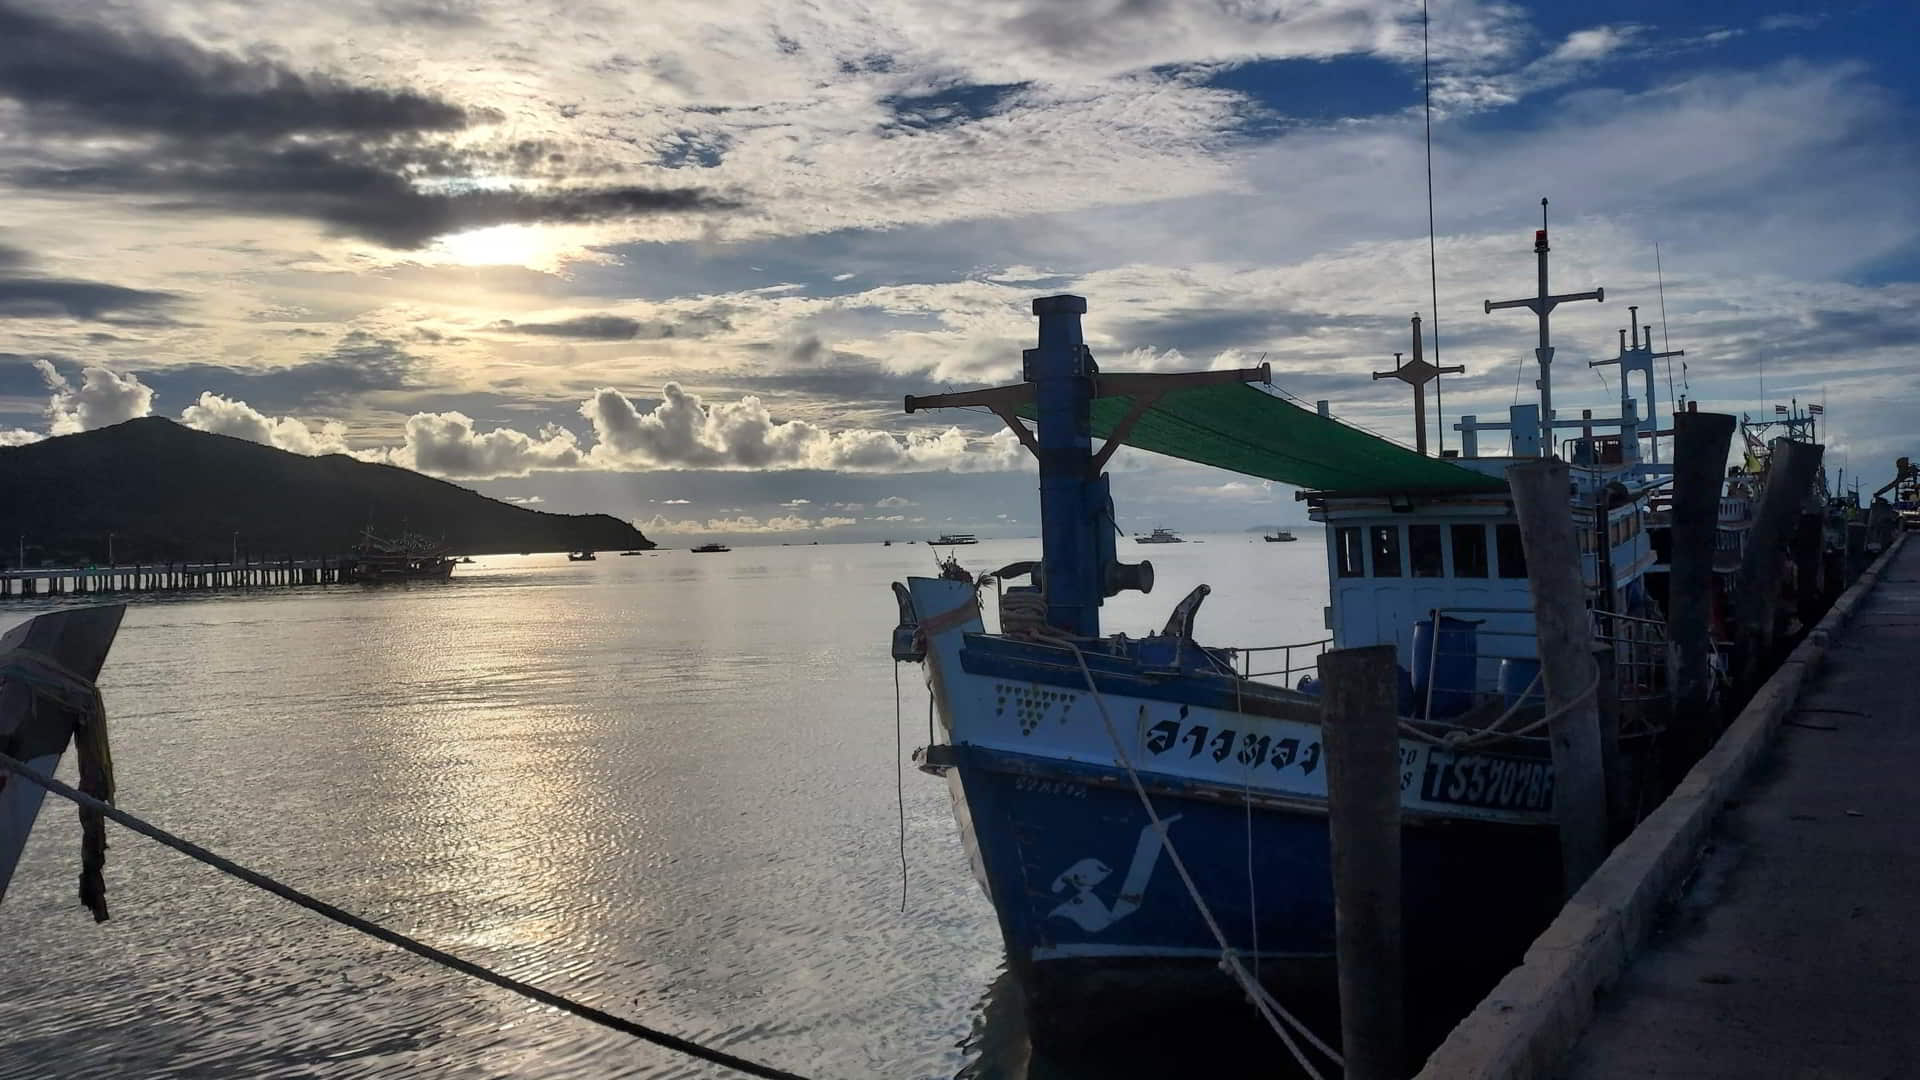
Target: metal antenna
[(1542, 305), (1416, 373), (1433, 258)]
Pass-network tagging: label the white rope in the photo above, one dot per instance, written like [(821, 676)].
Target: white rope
[(1271, 1010)]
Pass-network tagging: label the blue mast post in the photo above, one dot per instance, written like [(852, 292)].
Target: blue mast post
[(1072, 498)]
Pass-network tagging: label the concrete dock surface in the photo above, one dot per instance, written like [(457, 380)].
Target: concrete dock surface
[(1795, 950)]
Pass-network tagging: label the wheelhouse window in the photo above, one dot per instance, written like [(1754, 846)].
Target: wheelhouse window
[(1384, 544), (1424, 551), (1349, 555), (1469, 551), (1513, 556)]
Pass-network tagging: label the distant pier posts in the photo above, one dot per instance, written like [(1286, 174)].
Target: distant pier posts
[(1700, 445), (1756, 594), (1562, 627), (1856, 550), (1360, 730)]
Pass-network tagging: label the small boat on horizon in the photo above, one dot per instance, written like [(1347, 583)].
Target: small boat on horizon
[(633, 553), (1161, 536), (955, 539), (709, 549), (581, 556), (1279, 536)]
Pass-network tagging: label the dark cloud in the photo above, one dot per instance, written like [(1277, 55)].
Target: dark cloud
[(248, 135), (91, 77), (354, 197), (606, 327), (28, 296), (358, 363)]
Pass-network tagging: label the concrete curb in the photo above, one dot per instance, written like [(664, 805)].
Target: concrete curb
[(1526, 1027)]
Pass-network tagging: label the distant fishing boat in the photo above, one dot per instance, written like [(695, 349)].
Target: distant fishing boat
[(410, 557), (581, 556), (955, 539), (1279, 536), (1161, 536), (709, 549), (886, 543), (633, 553)]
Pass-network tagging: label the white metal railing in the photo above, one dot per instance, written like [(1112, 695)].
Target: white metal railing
[(1287, 667)]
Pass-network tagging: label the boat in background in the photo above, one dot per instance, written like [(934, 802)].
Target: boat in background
[(581, 556), (1160, 536), (710, 549), (410, 557), (954, 539), (1279, 536), (633, 553)]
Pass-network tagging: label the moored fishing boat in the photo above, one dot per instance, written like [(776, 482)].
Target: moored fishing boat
[(410, 557), (1063, 746), (1160, 536)]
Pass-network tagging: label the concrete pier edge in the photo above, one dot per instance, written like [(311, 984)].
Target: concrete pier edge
[(1526, 1027)]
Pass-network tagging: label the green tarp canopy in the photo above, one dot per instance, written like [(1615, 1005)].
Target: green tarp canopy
[(1238, 427)]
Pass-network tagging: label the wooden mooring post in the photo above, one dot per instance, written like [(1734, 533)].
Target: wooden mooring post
[(1360, 729), (1756, 592), (1541, 498), (1700, 445)]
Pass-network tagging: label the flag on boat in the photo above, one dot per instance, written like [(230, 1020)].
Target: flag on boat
[(1816, 410), (1780, 410)]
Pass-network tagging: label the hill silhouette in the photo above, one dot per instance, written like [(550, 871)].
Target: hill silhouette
[(170, 492)]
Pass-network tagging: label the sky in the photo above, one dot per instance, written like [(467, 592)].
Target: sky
[(680, 261)]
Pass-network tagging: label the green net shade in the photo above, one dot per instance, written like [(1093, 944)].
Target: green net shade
[(1237, 427)]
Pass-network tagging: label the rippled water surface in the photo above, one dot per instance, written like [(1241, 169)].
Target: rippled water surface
[(663, 784)]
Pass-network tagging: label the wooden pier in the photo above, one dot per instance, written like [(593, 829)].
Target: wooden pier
[(172, 577)]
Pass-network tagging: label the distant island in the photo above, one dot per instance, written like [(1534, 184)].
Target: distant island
[(168, 492)]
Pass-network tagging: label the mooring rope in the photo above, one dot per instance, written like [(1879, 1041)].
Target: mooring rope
[(393, 937), (1269, 1008)]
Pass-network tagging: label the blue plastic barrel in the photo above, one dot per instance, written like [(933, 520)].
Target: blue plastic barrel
[(1516, 676), (1452, 670)]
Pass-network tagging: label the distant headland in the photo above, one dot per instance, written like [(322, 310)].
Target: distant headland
[(167, 492)]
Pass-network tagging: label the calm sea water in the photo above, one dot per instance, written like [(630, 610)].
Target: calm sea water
[(663, 784)]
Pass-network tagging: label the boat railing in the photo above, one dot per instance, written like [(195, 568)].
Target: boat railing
[(1287, 668), (1639, 654)]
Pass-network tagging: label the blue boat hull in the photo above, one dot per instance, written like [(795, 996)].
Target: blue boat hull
[(1093, 910)]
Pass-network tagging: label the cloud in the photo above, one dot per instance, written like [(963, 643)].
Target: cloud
[(682, 432), (448, 444), (891, 502), (607, 327), (744, 524), (39, 298), (27, 296), (103, 398), (225, 416), (95, 78), (524, 500), (18, 436), (249, 135)]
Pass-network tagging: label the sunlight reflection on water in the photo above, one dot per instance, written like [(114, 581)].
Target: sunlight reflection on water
[(662, 784)]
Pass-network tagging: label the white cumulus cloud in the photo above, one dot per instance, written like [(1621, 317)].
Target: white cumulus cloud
[(227, 416), (683, 432), (448, 444), (103, 398)]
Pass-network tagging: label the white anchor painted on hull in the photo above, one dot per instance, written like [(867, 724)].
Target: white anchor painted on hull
[(1088, 911)]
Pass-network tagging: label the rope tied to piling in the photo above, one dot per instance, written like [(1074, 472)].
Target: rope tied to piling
[(51, 684)]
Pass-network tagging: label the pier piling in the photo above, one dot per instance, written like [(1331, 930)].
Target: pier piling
[(1700, 445), (1756, 594), (1361, 733), (1562, 627)]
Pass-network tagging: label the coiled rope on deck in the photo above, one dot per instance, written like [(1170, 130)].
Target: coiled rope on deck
[(393, 937)]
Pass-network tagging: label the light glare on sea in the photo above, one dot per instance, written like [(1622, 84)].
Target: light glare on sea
[(663, 784)]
